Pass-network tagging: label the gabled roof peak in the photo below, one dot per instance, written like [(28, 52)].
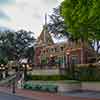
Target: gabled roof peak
[(45, 37)]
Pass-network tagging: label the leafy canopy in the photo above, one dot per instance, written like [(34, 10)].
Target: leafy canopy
[(15, 45), (82, 18), (56, 24)]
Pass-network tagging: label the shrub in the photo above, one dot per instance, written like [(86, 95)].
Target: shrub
[(47, 77), (38, 87), (88, 72)]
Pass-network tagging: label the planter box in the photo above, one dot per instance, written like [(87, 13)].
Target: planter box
[(84, 86), (69, 87), (91, 86)]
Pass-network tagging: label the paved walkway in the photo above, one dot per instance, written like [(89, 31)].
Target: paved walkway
[(86, 94), (42, 95), (6, 96)]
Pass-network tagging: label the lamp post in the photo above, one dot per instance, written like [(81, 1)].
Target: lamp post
[(25, 71), (6, 71), (13, 86), (68, 63), (1, 71)]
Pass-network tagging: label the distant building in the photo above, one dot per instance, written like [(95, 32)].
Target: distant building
[(47, 52)]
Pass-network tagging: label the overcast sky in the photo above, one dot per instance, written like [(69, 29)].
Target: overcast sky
[(25, 14)]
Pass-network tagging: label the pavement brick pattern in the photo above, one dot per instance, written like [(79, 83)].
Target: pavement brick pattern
[(42, 95)]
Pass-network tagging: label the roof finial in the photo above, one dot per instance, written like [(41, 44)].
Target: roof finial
[(45, 28), (45, 18)]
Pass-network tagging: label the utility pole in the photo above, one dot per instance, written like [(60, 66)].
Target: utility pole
[(13, 87)]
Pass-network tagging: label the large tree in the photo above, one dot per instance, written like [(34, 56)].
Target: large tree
[(56, 24), (14, 45), (30, 54), (82, 18)]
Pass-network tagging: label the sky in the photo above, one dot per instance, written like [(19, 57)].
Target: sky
[(25, 14)]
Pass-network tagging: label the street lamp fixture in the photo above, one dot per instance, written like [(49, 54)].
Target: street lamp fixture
[(27, 66), (25, 70), (67, 53), (23, 65), (51, 55), (1, 71), (68, 64), (2, 65)]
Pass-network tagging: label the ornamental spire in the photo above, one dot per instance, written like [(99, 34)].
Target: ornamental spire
[(45, 29), (45, 38), (45, 19)]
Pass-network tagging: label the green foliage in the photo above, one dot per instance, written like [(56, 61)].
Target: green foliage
[(44, 60), (30, 53), (82, 18), (88, 73), (56, 24), (3, 61), (47, 77), (14, 45), (41, 87)]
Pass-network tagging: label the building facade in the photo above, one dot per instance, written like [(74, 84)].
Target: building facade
[(48, 52)]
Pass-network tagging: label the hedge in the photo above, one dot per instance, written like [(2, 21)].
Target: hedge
[(83, 72), (41, 87), (88, 72), (47, 77)]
